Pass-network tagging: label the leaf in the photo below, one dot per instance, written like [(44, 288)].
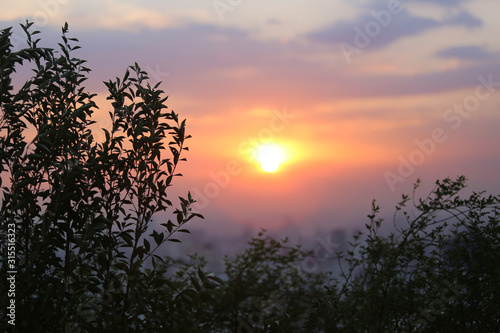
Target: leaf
[(180, 218), (174, 240)]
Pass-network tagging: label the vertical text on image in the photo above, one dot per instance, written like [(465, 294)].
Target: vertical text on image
[(11, 273)]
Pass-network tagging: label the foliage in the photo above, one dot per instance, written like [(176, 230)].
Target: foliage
[(83, 210), (265, 289), (438, 272)]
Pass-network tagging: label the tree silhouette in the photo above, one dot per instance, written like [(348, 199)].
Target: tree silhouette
[(82, 210)]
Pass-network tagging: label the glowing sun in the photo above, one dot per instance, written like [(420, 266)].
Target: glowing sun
[(270, 156)]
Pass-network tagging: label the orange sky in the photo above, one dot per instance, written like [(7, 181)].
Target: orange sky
[(410, 89)]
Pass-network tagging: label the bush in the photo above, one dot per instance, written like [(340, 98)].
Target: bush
[(437, 272), (82, 211), (265, 290)]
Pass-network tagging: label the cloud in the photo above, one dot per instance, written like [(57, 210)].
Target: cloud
[(206, 62), (384, 28), (427, 83), (464, 19), (469, 52), (400, 26), (374, 3), (445, 2), (101, 15)]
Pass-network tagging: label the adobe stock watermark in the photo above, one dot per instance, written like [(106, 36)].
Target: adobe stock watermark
[(424, 316), (47, 9), (221, 7), (454, 117), (17, 41), (221, 179), (156, 74), (88, 311), (372, 29), (254, 321), (326, 249), (11, 273)]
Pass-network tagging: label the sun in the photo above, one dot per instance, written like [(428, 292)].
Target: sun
[(270, 156)]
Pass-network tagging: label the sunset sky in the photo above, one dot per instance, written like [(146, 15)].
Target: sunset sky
[(363, 97)]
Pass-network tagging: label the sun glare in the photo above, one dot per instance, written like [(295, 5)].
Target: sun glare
[(270, 156)]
